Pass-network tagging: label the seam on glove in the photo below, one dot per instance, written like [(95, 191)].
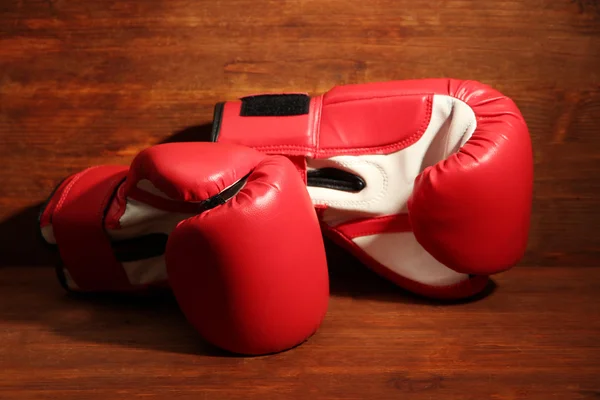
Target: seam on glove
[(389, 96), (70, 186), (343, 150), (317, 123)]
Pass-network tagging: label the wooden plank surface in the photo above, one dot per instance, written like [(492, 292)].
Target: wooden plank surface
[(534, 337), (95, 81)]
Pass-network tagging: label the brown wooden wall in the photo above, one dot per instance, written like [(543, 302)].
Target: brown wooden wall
[(95, 81)]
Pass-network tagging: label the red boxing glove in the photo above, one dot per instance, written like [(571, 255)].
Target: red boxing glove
[(429, 182), (244, 254)]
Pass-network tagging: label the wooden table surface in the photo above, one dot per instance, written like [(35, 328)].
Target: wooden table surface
[(535, 336), (85, 82)]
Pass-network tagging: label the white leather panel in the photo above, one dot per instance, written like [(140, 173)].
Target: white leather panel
[(389, 182), (137, 220), (390, 177), (48, 234), (146, 271), (69, 280), (401, 253), (141, 219)]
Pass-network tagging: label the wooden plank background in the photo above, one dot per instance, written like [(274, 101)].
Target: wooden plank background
[(89, 82), (85, 82), (376, 343)]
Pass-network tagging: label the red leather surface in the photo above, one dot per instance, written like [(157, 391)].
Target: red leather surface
[(186, 173), (190, 172), (336, 124), (372, 125), (290, 132), (46, 216), (472, 210), (77, 221), (251, 274), (372, 226)]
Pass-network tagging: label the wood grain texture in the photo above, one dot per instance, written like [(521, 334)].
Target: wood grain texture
[(96, 81), (534, 337), (88, 82)]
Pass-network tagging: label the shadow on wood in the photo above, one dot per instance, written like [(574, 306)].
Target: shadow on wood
[(195, 133), (350, 278), (21, 243), (153, 320), (20, 240), (150, 320), (146, 321)]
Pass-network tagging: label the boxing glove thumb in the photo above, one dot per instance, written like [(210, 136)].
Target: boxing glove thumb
[(471, 210)]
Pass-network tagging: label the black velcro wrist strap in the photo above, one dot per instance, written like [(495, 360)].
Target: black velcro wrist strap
[(275, 105)]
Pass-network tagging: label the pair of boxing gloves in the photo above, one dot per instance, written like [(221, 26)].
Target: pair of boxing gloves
[(427, 182)]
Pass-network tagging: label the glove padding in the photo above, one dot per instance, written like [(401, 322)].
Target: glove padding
[(244, 253), (428, 182)]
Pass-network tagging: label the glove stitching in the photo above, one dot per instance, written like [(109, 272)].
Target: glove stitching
[(317, 122), (467, 130), (51, 203), (108, 196), (447, 138), (343, 150), (366, 232), (382, 97), (120, 207), (68, 190), (70, 186)]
